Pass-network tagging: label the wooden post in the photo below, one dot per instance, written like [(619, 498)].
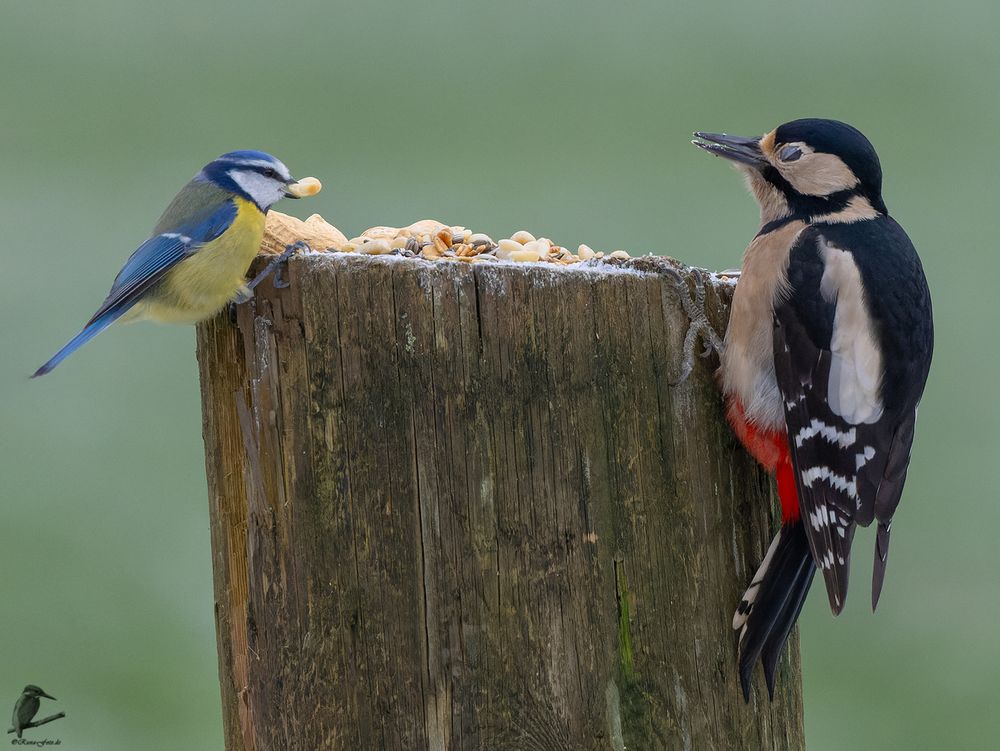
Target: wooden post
[(461, 506)]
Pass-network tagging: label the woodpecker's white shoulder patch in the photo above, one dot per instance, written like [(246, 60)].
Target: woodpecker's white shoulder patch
[(856, 362)]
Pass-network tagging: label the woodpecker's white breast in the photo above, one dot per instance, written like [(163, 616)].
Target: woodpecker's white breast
[(748, 360)]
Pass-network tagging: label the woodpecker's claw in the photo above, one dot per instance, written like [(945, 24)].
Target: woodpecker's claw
[(276, 267), (694, 307)]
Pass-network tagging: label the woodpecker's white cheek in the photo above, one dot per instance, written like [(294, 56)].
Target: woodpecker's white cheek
[(818, 174), (856, 362), (265, 191)]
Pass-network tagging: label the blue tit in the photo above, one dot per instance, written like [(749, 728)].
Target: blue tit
[(197, 258)]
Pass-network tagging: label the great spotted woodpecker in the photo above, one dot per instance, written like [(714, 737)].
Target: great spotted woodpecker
[(824, 362)]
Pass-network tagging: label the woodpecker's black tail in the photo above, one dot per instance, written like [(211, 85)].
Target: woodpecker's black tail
[(772, 603)]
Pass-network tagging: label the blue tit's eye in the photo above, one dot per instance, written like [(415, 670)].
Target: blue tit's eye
[(270, 173), (789, 153)]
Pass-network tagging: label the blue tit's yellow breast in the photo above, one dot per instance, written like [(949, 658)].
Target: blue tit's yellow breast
[(202, 284)]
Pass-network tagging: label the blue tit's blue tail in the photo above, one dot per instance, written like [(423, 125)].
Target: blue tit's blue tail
[(92, 329)]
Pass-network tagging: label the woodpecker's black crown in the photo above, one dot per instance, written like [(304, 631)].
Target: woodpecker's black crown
[(843, 141)]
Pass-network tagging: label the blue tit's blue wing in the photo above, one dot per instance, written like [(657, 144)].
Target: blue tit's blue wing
[(144, 268), (147, 266), (155, 257)]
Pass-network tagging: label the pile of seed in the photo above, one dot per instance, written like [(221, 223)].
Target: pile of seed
[(430, 240), (434, 241)]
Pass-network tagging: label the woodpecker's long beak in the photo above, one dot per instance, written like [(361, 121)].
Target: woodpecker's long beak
[(736, 148), (307, 186)]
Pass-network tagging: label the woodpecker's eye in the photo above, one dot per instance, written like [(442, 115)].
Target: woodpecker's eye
[(270, 173), (789, 153)]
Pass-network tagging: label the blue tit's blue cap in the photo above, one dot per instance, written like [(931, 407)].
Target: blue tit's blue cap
[(248, 155)]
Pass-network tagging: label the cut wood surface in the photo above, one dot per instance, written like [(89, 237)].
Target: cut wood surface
[(462, 506)]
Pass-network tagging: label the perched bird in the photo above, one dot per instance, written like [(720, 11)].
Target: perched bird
[(26, 707), (197, 258), (824, 362)]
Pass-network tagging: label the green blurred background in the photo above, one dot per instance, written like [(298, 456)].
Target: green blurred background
[(569, 119)]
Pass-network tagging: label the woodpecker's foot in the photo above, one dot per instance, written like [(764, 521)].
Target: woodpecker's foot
[(694, 307), (276, 267)]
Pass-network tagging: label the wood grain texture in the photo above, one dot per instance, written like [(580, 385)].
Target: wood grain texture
[(461, 506)]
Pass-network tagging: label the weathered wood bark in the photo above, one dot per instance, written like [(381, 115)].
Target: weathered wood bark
[(461, 506)]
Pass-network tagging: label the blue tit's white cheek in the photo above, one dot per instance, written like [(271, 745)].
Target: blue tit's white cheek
[(265, 191)]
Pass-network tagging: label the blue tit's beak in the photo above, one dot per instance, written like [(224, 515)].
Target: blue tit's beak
[(307, 186), (735, 148)]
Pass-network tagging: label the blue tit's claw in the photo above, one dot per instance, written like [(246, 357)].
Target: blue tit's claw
[(694, 308), (281, 263), (243, 294), (276, 265)]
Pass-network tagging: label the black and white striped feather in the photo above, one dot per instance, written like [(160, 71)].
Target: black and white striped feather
[(852, 347)]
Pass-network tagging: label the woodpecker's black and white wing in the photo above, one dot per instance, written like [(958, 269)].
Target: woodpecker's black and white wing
[(852, 346)]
